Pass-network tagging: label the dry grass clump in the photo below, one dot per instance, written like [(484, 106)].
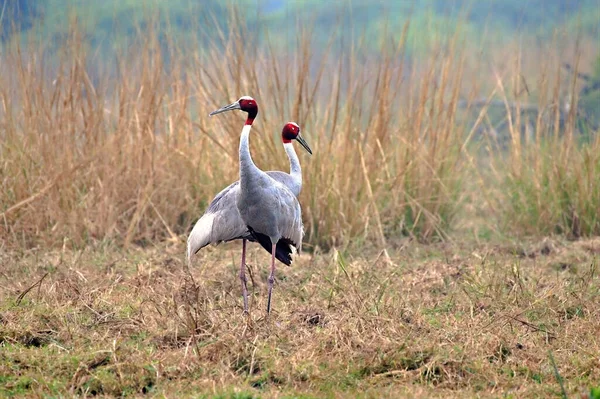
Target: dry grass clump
[(434, 320), (546, 177), (123, 149)]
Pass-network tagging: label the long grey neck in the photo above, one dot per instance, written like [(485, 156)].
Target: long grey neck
[(295, 169), (248, 170)]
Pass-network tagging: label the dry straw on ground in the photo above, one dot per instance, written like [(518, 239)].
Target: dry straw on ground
[(435, 320)]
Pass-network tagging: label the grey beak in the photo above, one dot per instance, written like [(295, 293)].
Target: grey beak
[(230, 107), (303, 143)]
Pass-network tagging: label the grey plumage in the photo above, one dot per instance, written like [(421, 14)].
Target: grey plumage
[(221, 222), (261, 206)]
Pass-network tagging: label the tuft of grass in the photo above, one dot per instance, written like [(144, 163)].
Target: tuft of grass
[(559, 379)]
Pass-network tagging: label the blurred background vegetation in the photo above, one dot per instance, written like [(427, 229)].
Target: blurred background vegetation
[(410, 94), (500, 19), (487, 26)]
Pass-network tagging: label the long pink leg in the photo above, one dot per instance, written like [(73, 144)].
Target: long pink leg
[(271, 277), (243, 277)]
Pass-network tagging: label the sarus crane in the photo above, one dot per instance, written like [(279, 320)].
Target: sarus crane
[(222, 220)]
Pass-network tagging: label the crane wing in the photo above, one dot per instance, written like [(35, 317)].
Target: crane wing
[(221, 222)]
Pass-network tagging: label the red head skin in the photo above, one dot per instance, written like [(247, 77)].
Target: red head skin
[(248, 104), (290, 132)]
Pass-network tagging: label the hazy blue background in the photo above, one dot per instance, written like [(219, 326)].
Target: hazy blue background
[(486, 25), (501, 19)]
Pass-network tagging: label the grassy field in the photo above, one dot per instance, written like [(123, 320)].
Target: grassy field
[(451, 210), (438, 320)]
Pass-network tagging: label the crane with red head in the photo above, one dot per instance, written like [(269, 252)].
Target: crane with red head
[(223, 220)]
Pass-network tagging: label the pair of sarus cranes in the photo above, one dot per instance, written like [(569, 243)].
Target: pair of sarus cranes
[(260, 207)]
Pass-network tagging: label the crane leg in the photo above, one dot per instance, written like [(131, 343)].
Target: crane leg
[(243, 277), (271, 277)]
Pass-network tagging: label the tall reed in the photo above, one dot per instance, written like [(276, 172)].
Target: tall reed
[(123, 149), (549, 175)]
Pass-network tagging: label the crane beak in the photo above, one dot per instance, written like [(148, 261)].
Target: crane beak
[(230, 107), (303, 144)]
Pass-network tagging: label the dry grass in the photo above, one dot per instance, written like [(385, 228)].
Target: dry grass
[(95, 153), (548, 175), (124, 150), (434, 320)]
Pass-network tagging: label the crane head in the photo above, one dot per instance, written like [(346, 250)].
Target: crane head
[(291, 131), (245, 103)]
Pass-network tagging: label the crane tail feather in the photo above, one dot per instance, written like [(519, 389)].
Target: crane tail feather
[(283, 252), (200, 235), (283, 249)]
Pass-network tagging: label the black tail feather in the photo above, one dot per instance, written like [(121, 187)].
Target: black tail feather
[(283, 250)]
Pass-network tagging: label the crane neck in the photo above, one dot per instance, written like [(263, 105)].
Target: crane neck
[(295, 169), (247, 166)]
